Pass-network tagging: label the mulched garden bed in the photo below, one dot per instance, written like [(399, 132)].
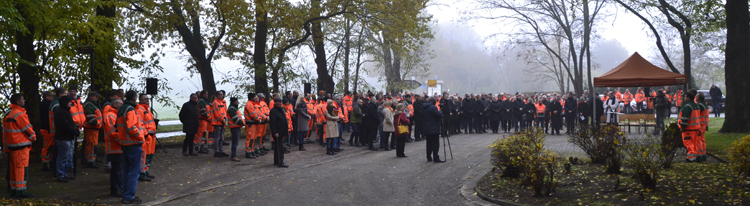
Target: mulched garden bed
[(587, 184)]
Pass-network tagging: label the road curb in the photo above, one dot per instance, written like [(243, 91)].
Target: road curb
[(494, 200), (481, 198)]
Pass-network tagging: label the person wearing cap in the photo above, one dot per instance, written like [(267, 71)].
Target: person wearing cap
[(17, 137), (235, 125), (65, 131), (47, 135), (279, 129), (91, 128)]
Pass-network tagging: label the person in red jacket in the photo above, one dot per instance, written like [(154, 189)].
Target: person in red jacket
[(400, 119), (132, 136), (17, 137)]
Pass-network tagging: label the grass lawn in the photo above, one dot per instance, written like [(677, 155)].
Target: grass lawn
[(718, 143), (169, 128)]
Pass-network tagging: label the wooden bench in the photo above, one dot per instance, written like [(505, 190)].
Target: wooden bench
[(635, 120)]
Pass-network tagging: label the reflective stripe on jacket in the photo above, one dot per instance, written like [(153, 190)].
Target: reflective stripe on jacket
[(17, 132)]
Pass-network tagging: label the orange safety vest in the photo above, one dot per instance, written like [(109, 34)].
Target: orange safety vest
[(310, 107), (265, 109), (253, 113), (289, 113), (129, 125), (627, 97), (18, 132), (409, 110), (77, 112), (343, 116), (540, 108), (320, 109), (639, 97), (111, 137), (95, 119), (235, 120), (219, 113), (348, 102), (703, 116), (678, 99), (147, 117), (691, 122)]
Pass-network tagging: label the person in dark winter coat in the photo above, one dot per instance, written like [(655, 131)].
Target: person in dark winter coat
[(370, 122), (301, 125), (517, 110), (467, 111), (571, 113), (65, 131), (529, 112), (479, 109), (661, 103), (495, 111), (189, 117), (279, 130), (431, 118), (599, 110), (555, 109), (716, 96), (417, 117), (584, 110), (507, 114)]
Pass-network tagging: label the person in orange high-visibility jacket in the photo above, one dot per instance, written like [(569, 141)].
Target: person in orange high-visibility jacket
[(132, 133), (689, 123), (210, 129), (700, 100), (253, 116), (204, 124), (312, 112), (149, 145), (289, 111), (17, 137), (235, 124), (678, 99), (112, 146), (218, 120), (627, 97), (91, 128), (320, 119), (541, 111), (264, 122), (77, 109)]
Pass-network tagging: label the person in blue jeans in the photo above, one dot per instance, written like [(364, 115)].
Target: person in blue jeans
[(131, 163), (66, 131), (132, 135)]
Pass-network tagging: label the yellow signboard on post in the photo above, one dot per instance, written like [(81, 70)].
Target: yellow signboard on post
[(432, 83)]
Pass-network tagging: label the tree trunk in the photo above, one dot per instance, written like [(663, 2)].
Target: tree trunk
[(359, 58), (395, 74), (736, 68), (346, 56), (28, 73), (103, 74), (586, 42), (259, 55), (325, 81)]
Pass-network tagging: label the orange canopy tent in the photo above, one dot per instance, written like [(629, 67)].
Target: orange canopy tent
[(636, 72)]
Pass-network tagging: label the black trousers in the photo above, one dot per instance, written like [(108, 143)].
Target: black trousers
[(505, 123), (400, 144), (188, 144), (115, 173), (570, 123), (494, 124), (478, 123), (541, 122), (556, 124), (445, 127), (418, 129), (469, 124), (516, 121), (433, 146), (278, 153)]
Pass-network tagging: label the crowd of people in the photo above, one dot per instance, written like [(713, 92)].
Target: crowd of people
[(387, 121)]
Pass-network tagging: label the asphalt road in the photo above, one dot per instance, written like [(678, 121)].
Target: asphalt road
[(353, 177)]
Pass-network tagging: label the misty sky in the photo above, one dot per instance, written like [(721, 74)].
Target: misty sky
[(625, 28)]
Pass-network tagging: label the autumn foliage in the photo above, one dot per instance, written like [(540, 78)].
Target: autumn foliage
[(524, 154)]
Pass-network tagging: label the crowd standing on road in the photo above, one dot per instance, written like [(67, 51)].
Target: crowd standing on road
[(126, 124)]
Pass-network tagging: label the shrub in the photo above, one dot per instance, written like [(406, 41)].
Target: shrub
[(739, 156), (645, 156), (524, 153), (602, 144), (671, 139)]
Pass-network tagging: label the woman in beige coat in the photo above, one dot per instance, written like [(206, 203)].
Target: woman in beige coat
[(387, 125), (332, 127)]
